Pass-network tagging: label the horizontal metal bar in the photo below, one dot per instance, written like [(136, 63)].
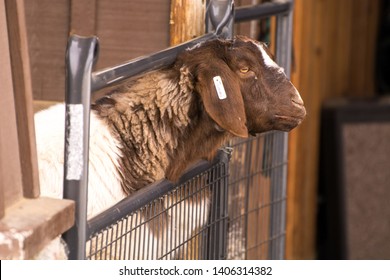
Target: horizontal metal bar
[(143, 64), (148, 194), (116, 74), (264, 10), (128, 205)]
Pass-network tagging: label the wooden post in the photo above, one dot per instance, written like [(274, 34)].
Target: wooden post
[(22, 89), (333, 57), (187, 20), (10, 170)]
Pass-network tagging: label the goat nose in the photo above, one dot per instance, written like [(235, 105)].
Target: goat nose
[(296, 98), (298, 101)]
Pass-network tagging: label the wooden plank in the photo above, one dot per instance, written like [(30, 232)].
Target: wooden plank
[(47, 30), (83, 17), (10, 170), (186, 20), (128, 29), (31, 223), (303, 141), (22, 89)]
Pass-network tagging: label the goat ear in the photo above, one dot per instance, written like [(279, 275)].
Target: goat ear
[(221, 95)]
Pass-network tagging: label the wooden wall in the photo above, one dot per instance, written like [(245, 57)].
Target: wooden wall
[(127, 29), (334, 52)]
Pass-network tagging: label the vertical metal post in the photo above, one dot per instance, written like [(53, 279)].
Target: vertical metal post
[(216, 239), (220, 17), (224, 184), (80, 57), (284, 39), (279, 179)]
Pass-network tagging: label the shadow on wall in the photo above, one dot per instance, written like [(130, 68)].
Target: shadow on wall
[(383, 51)]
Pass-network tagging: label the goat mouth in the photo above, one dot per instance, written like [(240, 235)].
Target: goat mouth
[(288, 122), (298, 102), (288, 118)]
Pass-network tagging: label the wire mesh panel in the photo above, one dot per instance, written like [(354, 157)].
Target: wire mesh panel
[(257, 198), (189, 221)]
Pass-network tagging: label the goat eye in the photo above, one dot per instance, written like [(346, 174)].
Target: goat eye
[(244, 69)]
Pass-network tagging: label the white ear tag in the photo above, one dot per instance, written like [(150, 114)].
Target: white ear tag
[(219, 87)]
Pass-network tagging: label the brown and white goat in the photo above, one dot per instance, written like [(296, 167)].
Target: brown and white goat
[(156, 125)]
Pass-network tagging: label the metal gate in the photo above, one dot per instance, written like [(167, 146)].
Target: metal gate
[(139, 228), (246, 214)]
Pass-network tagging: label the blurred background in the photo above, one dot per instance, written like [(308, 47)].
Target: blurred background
[(339, 158)]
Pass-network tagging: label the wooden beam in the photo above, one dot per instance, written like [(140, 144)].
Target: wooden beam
[(307, 75), (334, 50), (30, 224), (22, 89), (10, 170), (186, 20), (83, 17)]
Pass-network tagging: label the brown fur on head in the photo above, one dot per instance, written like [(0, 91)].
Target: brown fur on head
[(259, 96)]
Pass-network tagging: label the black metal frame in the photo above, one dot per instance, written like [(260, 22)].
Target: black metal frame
[(333, 213), (81, 54)]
